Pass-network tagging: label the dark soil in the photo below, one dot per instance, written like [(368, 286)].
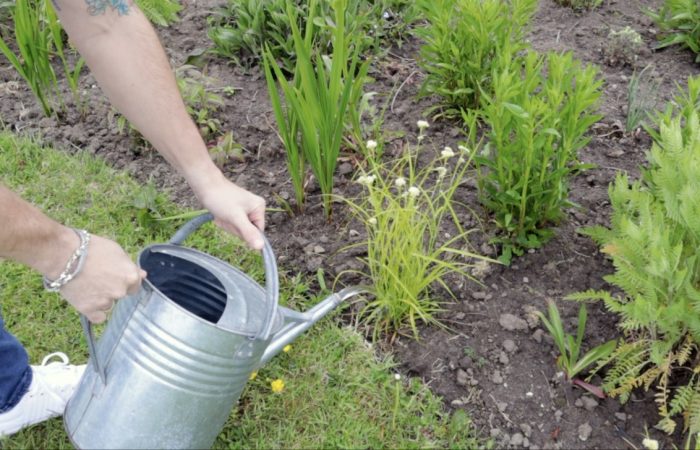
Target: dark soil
[(494, 361)]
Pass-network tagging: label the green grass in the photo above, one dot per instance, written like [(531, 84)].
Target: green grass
[(339, 392)]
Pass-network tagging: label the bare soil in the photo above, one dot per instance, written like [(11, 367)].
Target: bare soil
[(494, 361)]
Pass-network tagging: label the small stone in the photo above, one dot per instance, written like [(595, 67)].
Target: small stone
[(509, 346), (526, 280), (526, 429), (495, 432), (621, 416), (537, 335), (558, 414), (479, 295), (578, 403), (473, 382), (503, 358), (526, 443), (457, 403), (511, 322), (497, 378), (462, 377), (616, 153), (460, 316), (319, 249), (517, 440), (486, 249), (353, 233), (345, 168), (502, 406), (589, 403), (584, 431)]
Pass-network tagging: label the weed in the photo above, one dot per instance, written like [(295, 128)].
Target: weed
[(464, 42), (225, 149), (580, 4), (537, 121), (160, 12), (641, 98), (200, 99), (623, 47), (570, 347)]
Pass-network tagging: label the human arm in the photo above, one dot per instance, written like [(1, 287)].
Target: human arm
[(30, 237), (125, 56)]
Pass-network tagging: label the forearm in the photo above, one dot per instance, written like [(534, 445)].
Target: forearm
[(128, 61), (30, 237)]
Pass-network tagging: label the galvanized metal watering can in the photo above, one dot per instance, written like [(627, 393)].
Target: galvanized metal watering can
[(174, 358)]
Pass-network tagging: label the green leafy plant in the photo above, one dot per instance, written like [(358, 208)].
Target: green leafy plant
[(623, 47), (538, 114), (201, 100), (39, 37), (245, 28), (570, 359), (641, 98), (225, 149), (679, 24), (403, 208), (317, 100), (160, 12), (464, 41), (580, 4), (652, 242)]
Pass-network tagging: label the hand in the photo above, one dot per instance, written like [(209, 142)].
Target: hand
[(236, 210), (108, 275)]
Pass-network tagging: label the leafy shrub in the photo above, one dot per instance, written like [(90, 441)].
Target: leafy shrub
[(317, 101), (160, 12), (679, 23), (244, 28), (653, 241), (539, 111), (464, 41), (403, 208)]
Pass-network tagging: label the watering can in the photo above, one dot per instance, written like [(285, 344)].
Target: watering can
[(174, 358)]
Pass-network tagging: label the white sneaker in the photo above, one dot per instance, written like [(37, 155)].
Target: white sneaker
[(53, 384)]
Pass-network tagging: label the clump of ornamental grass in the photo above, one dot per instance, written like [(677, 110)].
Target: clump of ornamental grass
[(404, 209)]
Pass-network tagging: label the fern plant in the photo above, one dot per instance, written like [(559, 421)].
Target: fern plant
[(653, 242), (160, 12)]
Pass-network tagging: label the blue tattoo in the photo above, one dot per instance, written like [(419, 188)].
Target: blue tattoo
[(96, 7)]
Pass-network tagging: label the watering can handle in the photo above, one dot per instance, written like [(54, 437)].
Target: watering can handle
[(269, 261)]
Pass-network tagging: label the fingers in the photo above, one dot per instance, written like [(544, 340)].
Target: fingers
[(133, 281), (96, 317)]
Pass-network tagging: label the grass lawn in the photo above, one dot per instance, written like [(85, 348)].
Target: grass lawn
[(338, 391)]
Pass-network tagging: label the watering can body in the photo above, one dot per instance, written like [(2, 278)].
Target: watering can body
[(175, 357)]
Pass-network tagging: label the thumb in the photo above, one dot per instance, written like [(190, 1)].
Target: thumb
[(251, 235)]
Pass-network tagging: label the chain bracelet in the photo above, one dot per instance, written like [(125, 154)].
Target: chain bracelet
[(73, 267)]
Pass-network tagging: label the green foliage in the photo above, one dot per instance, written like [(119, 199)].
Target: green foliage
[(160, 12), (539, 111), (39, 37), (679, 24), (201, 100), (403, 208), (653, 242), (245, 28), (641, 98), (580, 4), (570, 347), (465, 41), (317, 101)]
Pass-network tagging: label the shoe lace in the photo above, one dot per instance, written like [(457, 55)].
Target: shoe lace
[(64, 359)]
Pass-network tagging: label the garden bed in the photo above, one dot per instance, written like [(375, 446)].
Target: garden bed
[(495, 361)]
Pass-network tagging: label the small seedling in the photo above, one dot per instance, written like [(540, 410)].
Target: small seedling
[(623, 47)]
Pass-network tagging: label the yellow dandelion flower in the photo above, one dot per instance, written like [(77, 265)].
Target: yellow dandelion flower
[(253, 375), (287, 348), (277, 385)]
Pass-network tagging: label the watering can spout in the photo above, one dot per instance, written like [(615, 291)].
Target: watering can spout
[(296, 323)]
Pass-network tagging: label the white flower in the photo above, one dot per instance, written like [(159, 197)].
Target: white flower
[(367, 180), (461, 160), (651, 444), (441, 171), (413, 191), (463, 149), (372, 221), (371, 145), (447, 152), (400, 182), (397, 376), (422, 124), (420, 137)]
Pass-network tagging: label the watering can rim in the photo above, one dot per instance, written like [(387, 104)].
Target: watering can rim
[(147, 284)]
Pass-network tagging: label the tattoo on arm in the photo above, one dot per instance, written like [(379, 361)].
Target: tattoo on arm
[(96, 7)]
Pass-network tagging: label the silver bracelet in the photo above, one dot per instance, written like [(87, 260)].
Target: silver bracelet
[(73, 267)]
